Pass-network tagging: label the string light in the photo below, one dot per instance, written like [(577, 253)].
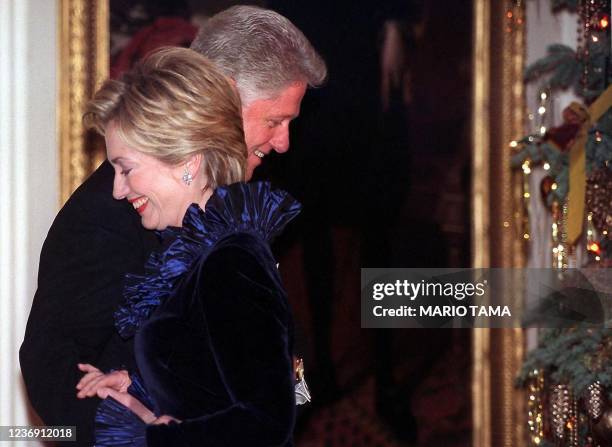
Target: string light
[(546, 166), (535, 406), (526, 168)]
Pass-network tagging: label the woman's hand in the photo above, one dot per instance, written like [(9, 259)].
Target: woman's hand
[(94, 380)]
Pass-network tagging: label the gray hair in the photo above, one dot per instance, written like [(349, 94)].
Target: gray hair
[(262, 51)]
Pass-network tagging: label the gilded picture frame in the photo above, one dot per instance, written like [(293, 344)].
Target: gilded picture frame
[(498, 105), (83, 64)]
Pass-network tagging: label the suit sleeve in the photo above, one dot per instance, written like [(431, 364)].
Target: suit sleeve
[(82, 266), (248, 320)]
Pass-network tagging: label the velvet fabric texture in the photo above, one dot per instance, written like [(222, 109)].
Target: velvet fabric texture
[(213, 330)]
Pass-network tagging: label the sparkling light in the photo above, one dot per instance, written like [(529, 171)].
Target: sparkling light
[(543, 95), (513, 143), (546, 166), (542, 110), (594, 247)]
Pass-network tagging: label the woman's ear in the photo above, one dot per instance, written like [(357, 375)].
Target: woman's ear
[(194, 164)]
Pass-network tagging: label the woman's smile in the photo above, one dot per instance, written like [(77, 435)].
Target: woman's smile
[(139, 203)]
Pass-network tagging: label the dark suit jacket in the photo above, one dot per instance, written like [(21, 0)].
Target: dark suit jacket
[(93, 242)]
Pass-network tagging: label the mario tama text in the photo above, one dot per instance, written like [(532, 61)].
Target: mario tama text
[(443, 311)]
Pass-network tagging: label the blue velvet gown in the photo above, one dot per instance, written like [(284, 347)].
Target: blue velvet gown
[(213, 330)]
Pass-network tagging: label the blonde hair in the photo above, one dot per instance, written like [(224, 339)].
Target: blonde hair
[(172, 105)]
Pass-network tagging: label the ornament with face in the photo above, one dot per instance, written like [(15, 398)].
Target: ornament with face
[(155, 189), (266, 124)]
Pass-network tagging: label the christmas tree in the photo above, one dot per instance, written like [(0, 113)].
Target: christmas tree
[(569, 375)]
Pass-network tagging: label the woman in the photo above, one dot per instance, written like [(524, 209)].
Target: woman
[(213, 332)]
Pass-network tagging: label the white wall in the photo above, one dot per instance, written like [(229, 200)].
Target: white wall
[(29, 176)]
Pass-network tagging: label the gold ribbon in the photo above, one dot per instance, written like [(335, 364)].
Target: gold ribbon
[(577, 168)]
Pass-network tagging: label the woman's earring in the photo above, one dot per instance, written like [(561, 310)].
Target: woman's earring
[(187, 177)]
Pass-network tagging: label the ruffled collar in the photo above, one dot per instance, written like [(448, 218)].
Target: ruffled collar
[(239, 208)]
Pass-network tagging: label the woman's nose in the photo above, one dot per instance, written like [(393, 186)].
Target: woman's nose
[(120, 188)]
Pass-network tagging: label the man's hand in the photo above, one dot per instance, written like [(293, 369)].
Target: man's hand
[(137, 407), (94, 380)]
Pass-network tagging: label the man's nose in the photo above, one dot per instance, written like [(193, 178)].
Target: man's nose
[(280, 142), (120, 188)]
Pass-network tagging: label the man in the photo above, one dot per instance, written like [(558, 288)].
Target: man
[(95, 240)]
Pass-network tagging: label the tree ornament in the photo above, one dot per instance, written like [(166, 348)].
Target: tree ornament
[(546, 186), (535, 406), (595, 401), (602, 21), (561, 408), (563, 136), (572, 423), (599, 198)]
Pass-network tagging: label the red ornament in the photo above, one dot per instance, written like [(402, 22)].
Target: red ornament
[(601, 21), (594, 247), (563, 136), (546, 187)]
